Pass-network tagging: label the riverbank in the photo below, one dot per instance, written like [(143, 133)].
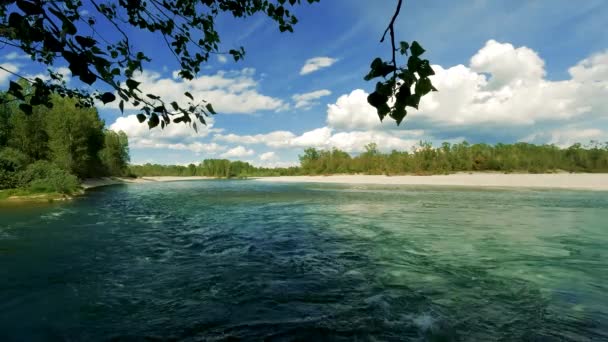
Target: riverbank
[(99, 182), (574, 181), (15, 196)]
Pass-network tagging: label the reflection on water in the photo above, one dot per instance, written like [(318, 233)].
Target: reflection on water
[(221, 260)]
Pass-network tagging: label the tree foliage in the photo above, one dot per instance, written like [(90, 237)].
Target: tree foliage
[(55, 32), (394, 94), (423, 160), (50, 148)]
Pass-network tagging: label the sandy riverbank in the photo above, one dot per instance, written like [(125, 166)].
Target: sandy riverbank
[(97, 182), (582, 181)]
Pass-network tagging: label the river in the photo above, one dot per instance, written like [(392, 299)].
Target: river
[(244, 260)]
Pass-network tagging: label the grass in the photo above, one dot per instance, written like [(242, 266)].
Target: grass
[(27, 195)]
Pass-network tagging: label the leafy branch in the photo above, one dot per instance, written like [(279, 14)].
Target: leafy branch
[(397, 89), (51, 32)]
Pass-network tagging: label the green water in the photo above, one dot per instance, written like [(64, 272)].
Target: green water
[(245, 260)]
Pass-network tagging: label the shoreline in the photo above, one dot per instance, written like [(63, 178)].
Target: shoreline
[(563, 181), (92, 183), (566, 181)]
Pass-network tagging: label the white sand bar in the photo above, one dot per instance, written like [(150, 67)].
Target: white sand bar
[(97, 182), (582, 181)]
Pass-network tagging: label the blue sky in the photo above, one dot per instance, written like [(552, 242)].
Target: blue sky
[(507, 71)]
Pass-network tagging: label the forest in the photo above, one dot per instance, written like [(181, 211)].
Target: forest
[(50, 149), (425, 159)]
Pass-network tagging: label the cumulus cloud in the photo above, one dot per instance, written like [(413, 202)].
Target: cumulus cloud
[(268, 156), (316, 63), (237, 152), (230, 92), (272, 139), (508, 65), (307, 100), (15, 55), (567, 136), (222, 59), (173, 137), (503, 90), (327, 138), (6, 75)]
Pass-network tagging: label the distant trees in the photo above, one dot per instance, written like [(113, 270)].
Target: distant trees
[(423, 160), (49, 149), (426, 159), (221, 168)]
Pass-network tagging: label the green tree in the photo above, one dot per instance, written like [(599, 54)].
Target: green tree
[(115, 153), (75, 139)]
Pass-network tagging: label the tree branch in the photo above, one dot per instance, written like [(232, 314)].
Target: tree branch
[(391, 29)]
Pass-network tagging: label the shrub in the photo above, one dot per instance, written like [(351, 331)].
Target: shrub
[(13, 160), (43, 176), (8, 180)]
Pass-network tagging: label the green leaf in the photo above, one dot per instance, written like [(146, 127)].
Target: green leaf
[(416, 49), (210, 108), (85, 42), (413, 63), (403, 46), (153, 121), (16, 90), (413, 101), (152, 96), (384, 88), (26, 108), (29, 7), (121, 106), (141, 118), (424, 86), (398, 114), (379, 101), (107, 98), (88, 77), (132, 84), (425, 69), (189, 96)]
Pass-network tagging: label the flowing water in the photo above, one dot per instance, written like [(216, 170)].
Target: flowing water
[(245, 260)]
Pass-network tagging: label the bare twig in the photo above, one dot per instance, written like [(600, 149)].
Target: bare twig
[(391, 30)]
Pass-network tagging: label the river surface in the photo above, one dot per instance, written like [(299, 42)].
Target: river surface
[(246, 260)]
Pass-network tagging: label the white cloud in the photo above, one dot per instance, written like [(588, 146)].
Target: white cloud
[(5, 75), (196, 147), (568, 136), (316, 63), (222, 59), (268, 156), (237, 152), (307, 100), (228, 91), (135, 130), (327, 138), (351, 111), (272, 139), (15, 55), (592, 69), (508, 65), (174, 136), (503, 91)]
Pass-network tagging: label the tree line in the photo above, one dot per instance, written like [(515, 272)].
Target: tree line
[(425, 159), (220, 168), (50, 149)]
